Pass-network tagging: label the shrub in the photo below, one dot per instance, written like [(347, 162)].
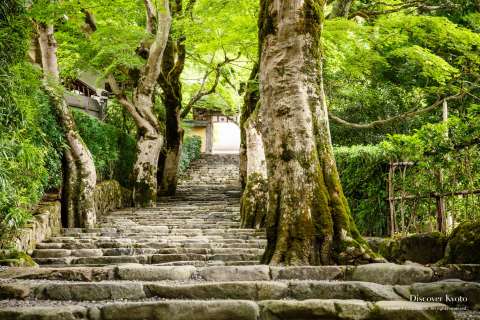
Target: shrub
[(113, 150), (190, 151)]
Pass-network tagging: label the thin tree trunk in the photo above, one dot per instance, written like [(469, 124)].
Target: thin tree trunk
[(172, 152), (308, 218), (341, 8), (249, 104), (253, 205), (169, 80), (82, 178), (253, 168)]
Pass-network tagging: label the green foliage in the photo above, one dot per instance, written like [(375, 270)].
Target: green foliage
[(363, 172), (394, 64), (113, 150), (190, 151), (31, 142)]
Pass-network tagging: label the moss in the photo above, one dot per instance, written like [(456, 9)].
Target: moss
[(253, 206), (144, 195), (463, 244), (15, 258)]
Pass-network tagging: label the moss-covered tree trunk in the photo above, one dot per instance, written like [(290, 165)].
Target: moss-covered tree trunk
[(81, 177), (308, 218), (253, 169)]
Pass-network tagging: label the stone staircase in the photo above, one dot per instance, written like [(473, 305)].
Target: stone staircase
[(188, 259)]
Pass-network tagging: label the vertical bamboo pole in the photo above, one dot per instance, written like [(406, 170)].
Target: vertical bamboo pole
[(391, 200)]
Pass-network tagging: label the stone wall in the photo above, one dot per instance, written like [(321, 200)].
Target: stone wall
[(109, 195), (46, 222)]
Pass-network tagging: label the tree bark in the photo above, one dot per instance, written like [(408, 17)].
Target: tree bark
[(82, 177), (308, 218), (169, 80), (253, 205), (341, 8), (250, 102), (253, 169), (149, 135)]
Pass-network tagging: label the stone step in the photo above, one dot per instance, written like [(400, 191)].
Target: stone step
[(155, 245), (241, 290), (227, 310), (387, 274), (58, 253), (147, 258)]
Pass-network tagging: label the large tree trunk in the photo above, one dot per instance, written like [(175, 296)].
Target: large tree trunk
[(145, 169), (82, 177), (308, 218)]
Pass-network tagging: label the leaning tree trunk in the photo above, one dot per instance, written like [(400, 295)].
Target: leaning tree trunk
[(141, 108), (308, 218), (82, 177)]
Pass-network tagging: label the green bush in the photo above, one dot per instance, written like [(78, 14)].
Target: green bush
[(363, 172), (113, 150), (190, 151)]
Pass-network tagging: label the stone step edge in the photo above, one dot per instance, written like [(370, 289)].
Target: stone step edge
[(235, 310), (382, 273), (462, 294)]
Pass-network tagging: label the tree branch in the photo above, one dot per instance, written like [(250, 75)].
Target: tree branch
[(152, 68), (403, 116), (123, 100), (151, 18), (201, 92)]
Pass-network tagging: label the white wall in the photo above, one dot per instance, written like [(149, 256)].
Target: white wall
[(226, 137)]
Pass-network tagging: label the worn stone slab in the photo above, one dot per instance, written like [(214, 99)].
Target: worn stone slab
[(390, 273), (90, 291), (235, 273), (154, 273), (14, 291), (161, 258), (308, 273), (314, 309), (69, 274), (342, 290), (258, 290), (182, 310), (44, 313)]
